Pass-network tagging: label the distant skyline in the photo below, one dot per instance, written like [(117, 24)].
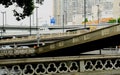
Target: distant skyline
[(45, 11)]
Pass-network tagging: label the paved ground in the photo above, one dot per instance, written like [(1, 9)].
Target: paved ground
[(104, 52)]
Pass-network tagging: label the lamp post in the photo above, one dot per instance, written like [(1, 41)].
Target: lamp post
[(84, 13), (4, 18), (65, 12), (30, 25), (99, 18), (98, 14), (64, 19), (63, 23), (50, 20), (36, 18), (37, 29), (58, 19)]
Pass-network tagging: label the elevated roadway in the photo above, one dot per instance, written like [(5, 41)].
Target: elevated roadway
[(8, 31), (104, 37), (89, 41), (43, 38)]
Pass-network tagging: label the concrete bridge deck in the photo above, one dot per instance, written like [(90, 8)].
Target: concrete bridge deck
[(43, 38), (94, 40), (101, 38)]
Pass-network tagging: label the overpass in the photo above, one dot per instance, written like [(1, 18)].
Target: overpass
[(25, 30), (43, 38), (19, 31), (105, 37), (97, 39)]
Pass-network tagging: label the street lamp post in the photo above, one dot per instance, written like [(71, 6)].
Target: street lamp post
[(30, 25), (64, 19), (99, 18), (98, 14), (65, 12), (37, 29), (4, 18), (63, 23), (58, 19), (36, 18), (50, 20), (84, 13)]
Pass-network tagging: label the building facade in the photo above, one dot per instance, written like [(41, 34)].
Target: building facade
[(66, 11), (72, 11), (116, 9)]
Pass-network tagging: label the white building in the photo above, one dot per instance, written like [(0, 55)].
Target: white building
[(116, 9)]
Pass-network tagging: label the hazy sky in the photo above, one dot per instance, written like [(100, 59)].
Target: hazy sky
[(45, 11)]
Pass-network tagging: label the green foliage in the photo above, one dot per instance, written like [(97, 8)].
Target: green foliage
[(86, 20), (26, 5), (112, 21), (119, 20)]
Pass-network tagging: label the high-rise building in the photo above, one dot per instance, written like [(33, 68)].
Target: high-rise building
[(66, 10), (116, 9), (57, 10)]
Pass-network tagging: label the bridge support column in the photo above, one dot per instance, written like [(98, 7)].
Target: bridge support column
[(82, 67)]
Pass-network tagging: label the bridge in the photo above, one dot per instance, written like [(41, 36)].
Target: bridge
[(25, 30), (60, 57), (75, 44), (98, 39), (16, 30)]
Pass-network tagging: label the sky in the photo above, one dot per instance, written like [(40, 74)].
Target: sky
[(44, 13)]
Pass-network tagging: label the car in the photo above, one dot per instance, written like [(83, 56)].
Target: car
[(23, 47), (6, 47)]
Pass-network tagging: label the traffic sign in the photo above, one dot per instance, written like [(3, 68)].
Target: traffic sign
[(52, 20)]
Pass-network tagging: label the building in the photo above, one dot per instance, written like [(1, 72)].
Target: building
[(65, 11), (102, 9), (72, 11), (116, 9)]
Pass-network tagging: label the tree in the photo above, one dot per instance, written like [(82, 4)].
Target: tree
[(86, 20), (112, 21), (26, 5), (119, 20)]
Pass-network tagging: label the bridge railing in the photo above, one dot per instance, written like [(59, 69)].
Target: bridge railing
[(77, 65), (42, 37), (16, 52)]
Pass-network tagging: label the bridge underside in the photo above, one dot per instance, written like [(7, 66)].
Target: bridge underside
[(85, 47)]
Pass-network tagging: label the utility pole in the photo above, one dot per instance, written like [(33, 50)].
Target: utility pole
[(4, 22), (30, 25), (98, 14), (37, 29), (4, 18), (84, 13), (36, 18), (63, 23)]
